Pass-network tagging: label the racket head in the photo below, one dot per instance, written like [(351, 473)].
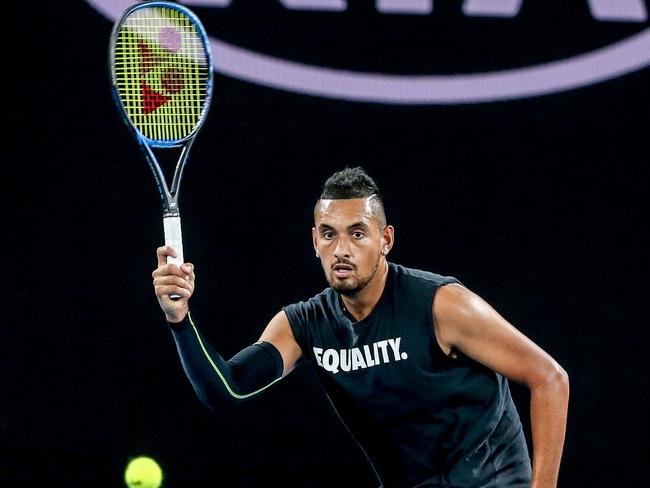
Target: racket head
[(161, 72)]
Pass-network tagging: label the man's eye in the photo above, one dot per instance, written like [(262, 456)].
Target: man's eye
[(358, 235), (328, 235)]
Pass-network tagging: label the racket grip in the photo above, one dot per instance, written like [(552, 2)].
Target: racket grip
[(174, 239)]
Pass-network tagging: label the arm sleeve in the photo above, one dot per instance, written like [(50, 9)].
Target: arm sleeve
[(219, 383)]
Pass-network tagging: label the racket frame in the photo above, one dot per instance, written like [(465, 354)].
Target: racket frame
[(168, 195)]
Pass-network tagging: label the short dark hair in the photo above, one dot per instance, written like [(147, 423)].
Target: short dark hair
[(354, 183)]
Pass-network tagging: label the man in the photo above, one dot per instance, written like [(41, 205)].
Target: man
[(414, 362)]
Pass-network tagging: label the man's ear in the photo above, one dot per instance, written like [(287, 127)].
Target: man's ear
[(314, 236), (388, 239)]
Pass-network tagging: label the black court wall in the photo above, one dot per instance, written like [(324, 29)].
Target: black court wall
[(530, 192)]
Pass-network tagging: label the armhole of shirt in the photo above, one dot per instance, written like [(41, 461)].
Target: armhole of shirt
[(298, 334), (431, 323)]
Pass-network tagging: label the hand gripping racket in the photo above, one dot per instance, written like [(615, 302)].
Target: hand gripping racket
[(161, 71)]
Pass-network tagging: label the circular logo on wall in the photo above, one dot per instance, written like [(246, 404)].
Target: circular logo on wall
[(422, 51)]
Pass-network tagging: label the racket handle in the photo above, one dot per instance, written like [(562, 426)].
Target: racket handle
[(174, 239)]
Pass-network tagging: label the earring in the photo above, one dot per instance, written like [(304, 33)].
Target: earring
[(317, 255)]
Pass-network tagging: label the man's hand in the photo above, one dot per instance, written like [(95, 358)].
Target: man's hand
[(169, 279)]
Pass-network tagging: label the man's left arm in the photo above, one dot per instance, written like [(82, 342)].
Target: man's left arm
[(466, 322)]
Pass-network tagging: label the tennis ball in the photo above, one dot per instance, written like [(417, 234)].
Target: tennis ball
[(143, 472)]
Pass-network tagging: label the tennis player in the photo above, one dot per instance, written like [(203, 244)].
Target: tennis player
[(415, 364)]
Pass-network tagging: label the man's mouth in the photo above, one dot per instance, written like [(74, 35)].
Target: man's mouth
[(342, 270)]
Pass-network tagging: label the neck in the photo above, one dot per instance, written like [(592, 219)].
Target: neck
[(361, 304)]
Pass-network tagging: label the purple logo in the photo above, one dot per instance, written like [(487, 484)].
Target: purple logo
[(170, 39), (613, 60)]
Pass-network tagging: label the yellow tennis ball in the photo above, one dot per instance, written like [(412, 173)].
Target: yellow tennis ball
[(143, 472)]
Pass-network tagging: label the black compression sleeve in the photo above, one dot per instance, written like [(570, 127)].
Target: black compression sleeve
[(220, 383)]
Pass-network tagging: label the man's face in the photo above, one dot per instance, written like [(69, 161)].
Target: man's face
[(349, 240)]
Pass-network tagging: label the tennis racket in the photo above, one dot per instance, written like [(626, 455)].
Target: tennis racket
[(161, 72)]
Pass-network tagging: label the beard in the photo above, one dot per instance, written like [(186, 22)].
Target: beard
[(352, 285)]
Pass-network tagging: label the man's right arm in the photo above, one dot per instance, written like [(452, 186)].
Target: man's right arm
[(217, 382)]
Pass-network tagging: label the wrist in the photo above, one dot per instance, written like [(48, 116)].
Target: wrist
[(176, 318), (541, 482)]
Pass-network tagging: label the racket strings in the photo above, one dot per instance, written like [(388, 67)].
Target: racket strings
[(162, 73)]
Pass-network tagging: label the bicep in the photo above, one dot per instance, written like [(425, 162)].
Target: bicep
[(278, 332), (463, 320)]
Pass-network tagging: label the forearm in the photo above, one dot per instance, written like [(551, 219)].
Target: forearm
[(220, 383), (548, 411)]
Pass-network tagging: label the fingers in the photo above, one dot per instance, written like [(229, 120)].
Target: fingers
[(173, 285), (170, 274), (189, 269), (164, 268), (168, 290), (168, 269), (170, 279), (173, 280), (162, 253)]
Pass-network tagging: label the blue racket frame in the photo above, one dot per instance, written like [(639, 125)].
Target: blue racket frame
[(168, 195)]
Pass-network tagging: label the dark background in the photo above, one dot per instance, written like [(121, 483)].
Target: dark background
[(534, 204)]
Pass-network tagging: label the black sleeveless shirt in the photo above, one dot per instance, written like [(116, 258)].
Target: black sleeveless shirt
[(422, 418)]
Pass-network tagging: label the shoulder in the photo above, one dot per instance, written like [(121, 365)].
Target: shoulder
[(459, 312), (305, 316), (311, 307), (456, 300), (419, 277), (317, 300)]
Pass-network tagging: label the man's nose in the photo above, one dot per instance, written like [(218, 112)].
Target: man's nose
[(342, 249)]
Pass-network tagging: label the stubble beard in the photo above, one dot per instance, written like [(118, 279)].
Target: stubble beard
[(353, 285)]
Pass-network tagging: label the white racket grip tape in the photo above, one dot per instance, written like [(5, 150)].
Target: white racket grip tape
[(174, 239)]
